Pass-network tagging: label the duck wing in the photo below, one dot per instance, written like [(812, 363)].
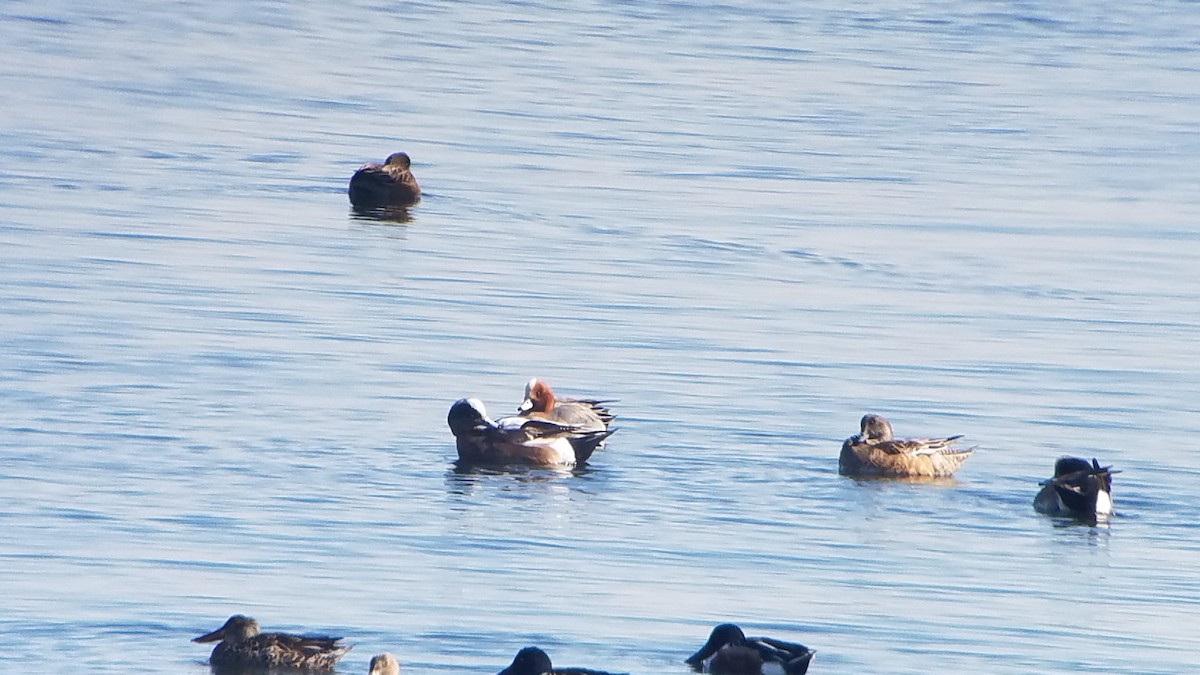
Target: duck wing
[(919, 446)]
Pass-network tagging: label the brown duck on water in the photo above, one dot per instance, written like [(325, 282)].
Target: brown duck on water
[(242, 646), (391, 184), (875, 452)]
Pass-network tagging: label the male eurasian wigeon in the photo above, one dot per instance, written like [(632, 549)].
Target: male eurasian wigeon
[(518, 440), (376, 186), (243, 646), (384, 664), (534, 661), (874, 452), (729, 652), (540, 402), (1078, 489)]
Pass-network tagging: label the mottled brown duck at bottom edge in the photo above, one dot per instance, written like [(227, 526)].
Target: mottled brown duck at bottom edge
[(875, 452), (390, 184), (243, 646)]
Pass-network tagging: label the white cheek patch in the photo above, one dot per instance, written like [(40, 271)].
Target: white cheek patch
[(1104, 504)]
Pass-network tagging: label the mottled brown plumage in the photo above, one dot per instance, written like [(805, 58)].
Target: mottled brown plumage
[(243, 646), (874, 452)]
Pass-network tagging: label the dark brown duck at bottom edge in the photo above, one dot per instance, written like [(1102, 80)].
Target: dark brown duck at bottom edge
[(534, 661)]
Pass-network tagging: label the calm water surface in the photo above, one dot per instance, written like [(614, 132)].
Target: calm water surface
[(751, 224)]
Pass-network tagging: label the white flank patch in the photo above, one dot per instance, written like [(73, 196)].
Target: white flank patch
[(772, 668), (1104, 504), (561, 447)]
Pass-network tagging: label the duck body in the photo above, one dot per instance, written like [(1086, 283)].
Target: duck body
[(1079, 489), (534, 661), (517, 440), (875, 452), (389, 184), (243, 646), (729, 652)]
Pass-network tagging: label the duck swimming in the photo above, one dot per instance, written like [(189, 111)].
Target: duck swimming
[(875, 452), (1078, 489), (243, 646), (534, 661), (389, 184), (729, 652), (518, 440), (587, 414)]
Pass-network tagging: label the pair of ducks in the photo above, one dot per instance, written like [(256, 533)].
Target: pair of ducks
[(546, 431), (727, 652), (1079, 489)]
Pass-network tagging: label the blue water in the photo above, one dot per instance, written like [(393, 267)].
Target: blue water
[(223, 393)]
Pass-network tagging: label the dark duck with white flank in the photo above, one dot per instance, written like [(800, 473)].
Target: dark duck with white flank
[(1079, 489)]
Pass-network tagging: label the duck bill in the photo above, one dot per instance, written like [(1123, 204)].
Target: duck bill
[(218, 634), (525, 406)]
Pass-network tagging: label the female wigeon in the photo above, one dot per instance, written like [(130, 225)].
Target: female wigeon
[(1078, 489), (376, 186), (518, 440), (541, 403), (384, 664), (242, 646), (874, 452), (729, 652), (534, 661)]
